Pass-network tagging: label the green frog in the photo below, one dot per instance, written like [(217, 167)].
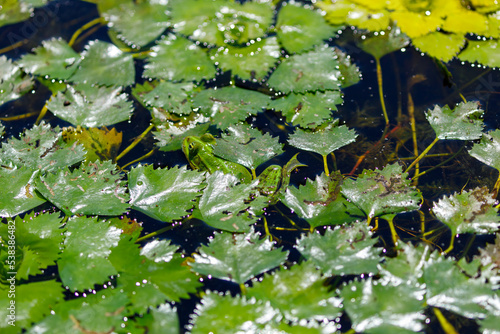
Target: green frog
[(199, 153)]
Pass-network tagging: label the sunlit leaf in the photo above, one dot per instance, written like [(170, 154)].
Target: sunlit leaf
[(159, 319), (385, 191), (100, 144), (173, 97), (320, 201), (489, 258), (247, 146), (55, 58), (251, 62), (383, 308), (41, 235), (159, 250), (103, 63), (311, 71), (91, 106), (461, 123), (92, 189), (449, 44), (488, 149), (226, 257), (380, 45), (177, 58), (171, 135), (323, 141), (229, 105), (299, 293), (18, 10), (18, 190), (87, 246), (41, 147), (148, 282), (309, 109), (295, 31), (188, 15), (13, 83), (483, 52), (345, 250), (469, 212), (32, 302), (164, 194), (350, 72), (144, 22)]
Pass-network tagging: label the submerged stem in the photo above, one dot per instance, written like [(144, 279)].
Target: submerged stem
[(496, 187), (381, 90), (445, 324), (325, 166), (135, 142), (421, 156), (452, 242), (155, 233), (84, 27)]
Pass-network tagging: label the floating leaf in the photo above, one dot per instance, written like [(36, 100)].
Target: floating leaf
[(469, 212), (170, 136), (55, 58), (100, 144), (311, 71), (350, 72), (164, 194), (173, 97), (41, 147), (18, 10), (226, 257), (379, 308), (18, 191), (489, 258), (91, 106), (325, 140), (13, 83), (307, 110), (488, 149), (177, 58), (88, 244), (40, 235), (247, 146), (449, 44), (159, 250), (380, 192), (188, 15), (92, 189), (103, 63), (483, 52), (148, 282), (229, 105), (380, 45), (32, 302), (144, 22), (159, 319), (346, 250), (299, 293), (320, 201), (295, 31), (252, 62), (461, 123)]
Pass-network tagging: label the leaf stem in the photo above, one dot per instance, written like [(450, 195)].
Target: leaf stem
[(254, 176), (243, 289), (155, 233), (394, 234), (135, 142), (438, 165), (13, 46), (424, 152), (325, 165), (452, 242), (147, 155), (18, 117), (43, 112), (445, 324), (496, 187), (77, 33), (411, 113), (381, 89)]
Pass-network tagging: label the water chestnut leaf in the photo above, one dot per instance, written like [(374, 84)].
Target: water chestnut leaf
[(43, 148), (343, 250), (250, 62), (461, 123), (40, 236), (380, 192), (311, 71), (247, 146), (144, 22), (295, 31), (320, 201), (148, 280), (55, 58), (449, 44), (307, 110), (189, 15), (164, 194), (383, 308), (84, 261), (91, 106), (172, 97), (18, 10), (350, 72), (100, 144), (380, 45), (13, 83), (103, 63), (237, 257), (158, 319), (171, 135), (488, 149), (159, 250), (92, 189), (323, 141), (482, 52), (177, 58), (33, 301), (298, 293), (18, 191), (469, 212), (229, 105), (489, 258)]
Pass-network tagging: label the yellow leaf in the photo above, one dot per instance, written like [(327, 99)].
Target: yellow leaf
[(100, 144)]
